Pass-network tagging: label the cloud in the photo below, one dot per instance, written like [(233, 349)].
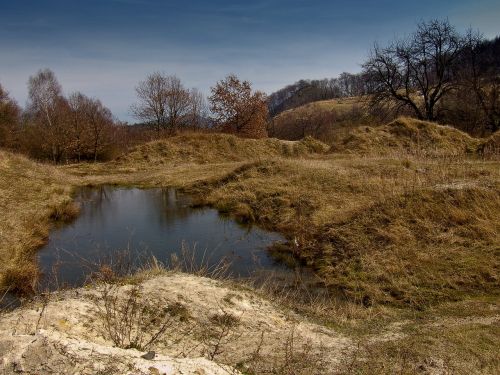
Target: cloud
[(104, 48)]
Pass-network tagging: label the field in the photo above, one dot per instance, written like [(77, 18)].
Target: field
[(401, 224)]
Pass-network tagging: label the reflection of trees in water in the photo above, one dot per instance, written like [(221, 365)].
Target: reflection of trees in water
[(244, 226), (228, 223), (170, 206), (94, 193), (96, 200)]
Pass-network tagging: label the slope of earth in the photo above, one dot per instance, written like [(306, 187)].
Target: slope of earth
[(216, 148), (194, 325), (33, 197), (407, 135)]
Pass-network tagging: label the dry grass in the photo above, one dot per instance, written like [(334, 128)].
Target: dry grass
[(381, 230), (340, 106), (408, 135), (445, 346), (490, 147), (406, 224), (32, 197), (201, 148)]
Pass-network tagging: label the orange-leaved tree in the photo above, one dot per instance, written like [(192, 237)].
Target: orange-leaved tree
[(237, 109)]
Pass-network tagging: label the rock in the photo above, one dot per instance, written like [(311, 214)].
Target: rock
[(149, 355), (54, 353)]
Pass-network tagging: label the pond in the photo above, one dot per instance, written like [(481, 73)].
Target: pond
[(129, 225)]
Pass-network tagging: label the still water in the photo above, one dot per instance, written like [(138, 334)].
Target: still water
[(118, 223)]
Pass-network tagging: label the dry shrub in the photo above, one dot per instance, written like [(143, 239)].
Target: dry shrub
[(66, 212), (220, 333), (131, 320), (293, 357), (21, 279)]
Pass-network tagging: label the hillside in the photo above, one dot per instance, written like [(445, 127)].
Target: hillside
[(357, 219), (407, 135), (322, 120), (218, 148), (341, 105)]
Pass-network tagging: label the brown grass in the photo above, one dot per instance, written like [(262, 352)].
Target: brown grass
[(32, 197), (342, 105), (490, 147), (408, 135), (204, 148), (430, 345), (409, 232), (401, 224)]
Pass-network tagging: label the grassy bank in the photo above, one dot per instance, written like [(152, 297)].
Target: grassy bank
[(406, 232), (33, 197)]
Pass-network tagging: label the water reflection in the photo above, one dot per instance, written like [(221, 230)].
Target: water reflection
[(150, 222)]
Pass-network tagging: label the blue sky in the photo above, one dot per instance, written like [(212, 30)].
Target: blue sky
[(104, 47)]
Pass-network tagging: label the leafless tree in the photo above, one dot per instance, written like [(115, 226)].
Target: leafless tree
[(198, 111), (481, 77), (417, 71), (9, 119), (152, 106), (163, 101), (49, 108), (77, 102), (178, 102), (91, 123), (100, 120)]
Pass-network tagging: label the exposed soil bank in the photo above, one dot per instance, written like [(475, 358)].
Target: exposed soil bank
[(209, 322)]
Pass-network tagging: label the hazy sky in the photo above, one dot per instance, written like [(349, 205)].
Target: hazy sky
[(104, 47)]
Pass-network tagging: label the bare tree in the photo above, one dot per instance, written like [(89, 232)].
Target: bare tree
[(77, 102), (9, 119), (481, 77), (100, 120), (417, 71), (239, 110), (49, 108), (163, 101), (178, 102), (198, 109), (152, 106)]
